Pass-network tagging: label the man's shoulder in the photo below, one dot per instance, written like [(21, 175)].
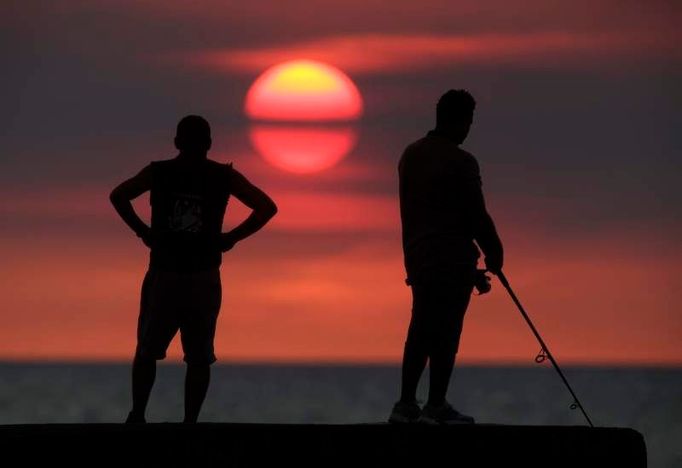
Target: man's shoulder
[(418, 143), (438, 146), (162, 162), (220, 172), (467, 157), (414, 148), (217, 164), (211, 164), (465, 153)]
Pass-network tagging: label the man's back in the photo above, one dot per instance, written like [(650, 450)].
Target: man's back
[(439, 189), (188, 199)]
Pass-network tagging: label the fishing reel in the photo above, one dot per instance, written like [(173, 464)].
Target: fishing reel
[(482, 282)]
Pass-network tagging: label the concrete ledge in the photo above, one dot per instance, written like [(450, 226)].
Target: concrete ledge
[(371, 445)]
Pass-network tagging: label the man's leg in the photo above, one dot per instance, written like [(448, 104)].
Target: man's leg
[(196, 385), (450, 304), (197, 333), (415, 354), (440, 370), (144, 374), (156, 326)]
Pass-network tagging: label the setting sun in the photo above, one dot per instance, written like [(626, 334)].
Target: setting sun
[(303, 90), (303, 111)]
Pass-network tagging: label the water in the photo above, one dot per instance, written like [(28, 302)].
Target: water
[(648, 400)]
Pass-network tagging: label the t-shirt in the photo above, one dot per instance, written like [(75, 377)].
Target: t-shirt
[(188, 200), (441, 207)]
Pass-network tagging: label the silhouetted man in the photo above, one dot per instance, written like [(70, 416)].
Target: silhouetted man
[(442, 212), (181, 289)]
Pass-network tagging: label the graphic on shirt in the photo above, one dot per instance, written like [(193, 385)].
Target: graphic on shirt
[(186, 214)]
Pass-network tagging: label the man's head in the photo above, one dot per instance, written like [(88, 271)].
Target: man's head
[(454, 113), (193, 135)]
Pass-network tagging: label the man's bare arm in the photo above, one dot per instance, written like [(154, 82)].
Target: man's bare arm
[(485, 232), (487, 238), (122, 195), (262, 205)]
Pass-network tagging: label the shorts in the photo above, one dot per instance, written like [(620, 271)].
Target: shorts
[(439, 304), (185, 301)]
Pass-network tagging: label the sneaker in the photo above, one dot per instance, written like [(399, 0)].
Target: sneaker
[(135, 419), (444, 414), (405, 413)]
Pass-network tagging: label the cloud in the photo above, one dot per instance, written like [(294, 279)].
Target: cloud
[(299, 210), (388, 53)]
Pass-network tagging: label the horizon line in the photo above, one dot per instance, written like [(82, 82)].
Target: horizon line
[(6, 361)]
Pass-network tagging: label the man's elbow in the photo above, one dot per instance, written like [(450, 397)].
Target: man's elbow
[(114, 197), (271, 210), (117, 198), (267, 211)]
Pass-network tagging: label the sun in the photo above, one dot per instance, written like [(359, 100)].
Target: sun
[(302, 112), (303, 90)]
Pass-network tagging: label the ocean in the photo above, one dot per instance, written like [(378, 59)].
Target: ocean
[(646, 399)]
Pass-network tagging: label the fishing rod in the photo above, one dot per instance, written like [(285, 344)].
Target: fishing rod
[(544, 352)]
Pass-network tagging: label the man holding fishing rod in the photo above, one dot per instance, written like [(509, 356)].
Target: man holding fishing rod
[(444, 218)]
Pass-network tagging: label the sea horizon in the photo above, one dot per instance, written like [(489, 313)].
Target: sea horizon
[(175, 360)]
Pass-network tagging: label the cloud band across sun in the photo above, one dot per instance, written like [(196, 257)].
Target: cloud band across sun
[(387, 53)]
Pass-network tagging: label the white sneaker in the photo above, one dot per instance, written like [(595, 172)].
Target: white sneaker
[(405, 413), (444, 414)]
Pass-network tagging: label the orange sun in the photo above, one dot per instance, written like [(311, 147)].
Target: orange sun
[(303, 90), (303, 93)]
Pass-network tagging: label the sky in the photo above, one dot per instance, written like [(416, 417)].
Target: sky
[(576, 131)]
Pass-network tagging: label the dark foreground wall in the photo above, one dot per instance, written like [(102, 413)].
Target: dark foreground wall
[(371, 445)]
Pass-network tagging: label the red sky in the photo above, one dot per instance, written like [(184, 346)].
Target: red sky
[(576, 133)]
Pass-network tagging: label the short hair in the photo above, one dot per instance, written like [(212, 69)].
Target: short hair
[(192, 128), (454, 106)]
